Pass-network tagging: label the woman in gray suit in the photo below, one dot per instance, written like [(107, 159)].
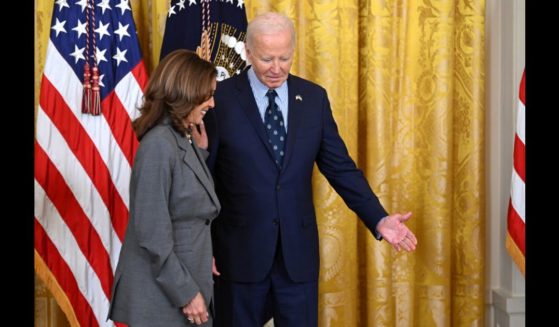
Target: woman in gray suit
[(164, 273)]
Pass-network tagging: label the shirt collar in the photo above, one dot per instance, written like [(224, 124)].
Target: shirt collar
[(260, 90)]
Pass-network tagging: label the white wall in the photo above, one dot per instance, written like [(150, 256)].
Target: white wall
[(505, 45)]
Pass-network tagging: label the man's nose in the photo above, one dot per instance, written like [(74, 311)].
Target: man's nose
[(275, 66)]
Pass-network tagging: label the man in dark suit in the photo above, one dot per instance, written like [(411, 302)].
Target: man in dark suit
[(266, 132)]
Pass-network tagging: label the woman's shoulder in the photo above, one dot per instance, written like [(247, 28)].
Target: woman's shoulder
[(159, 139)]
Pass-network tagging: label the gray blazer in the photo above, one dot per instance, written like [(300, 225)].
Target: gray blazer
[(166, 257)]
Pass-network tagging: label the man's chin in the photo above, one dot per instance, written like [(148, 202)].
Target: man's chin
[(274, 83)]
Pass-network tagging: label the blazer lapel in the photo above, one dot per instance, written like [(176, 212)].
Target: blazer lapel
[(211, 189), (251, 110), (201, 159), (191, 159), (295, 107)]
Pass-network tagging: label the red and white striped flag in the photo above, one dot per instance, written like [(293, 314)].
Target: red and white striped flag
[(82, 160), (515, 241)]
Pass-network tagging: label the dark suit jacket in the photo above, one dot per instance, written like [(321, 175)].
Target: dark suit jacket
[(258, 200)]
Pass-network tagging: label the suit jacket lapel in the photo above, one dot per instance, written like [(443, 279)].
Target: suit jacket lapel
[(201, 159), (190, 158), (208, 184), (295, 115), (251, 110)]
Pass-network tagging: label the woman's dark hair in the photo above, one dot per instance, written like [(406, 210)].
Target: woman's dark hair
[(180, 82)]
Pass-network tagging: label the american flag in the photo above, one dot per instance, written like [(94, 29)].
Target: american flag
[(83, 161), (515, 241)]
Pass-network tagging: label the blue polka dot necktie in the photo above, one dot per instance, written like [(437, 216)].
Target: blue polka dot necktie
[(273, 121)]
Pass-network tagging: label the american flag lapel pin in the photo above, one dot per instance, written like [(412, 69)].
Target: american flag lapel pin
[(298, 98)]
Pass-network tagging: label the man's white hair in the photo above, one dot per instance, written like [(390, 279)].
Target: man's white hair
[(269, 23)]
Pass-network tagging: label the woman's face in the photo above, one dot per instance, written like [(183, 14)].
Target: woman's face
[(197, 114)]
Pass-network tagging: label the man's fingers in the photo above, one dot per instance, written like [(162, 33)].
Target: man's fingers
[(405, 216), (409, 245), (412, 238)]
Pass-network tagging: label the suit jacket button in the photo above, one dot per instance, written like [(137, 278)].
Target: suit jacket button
[(207, 221), (278, 187), (276, 221)]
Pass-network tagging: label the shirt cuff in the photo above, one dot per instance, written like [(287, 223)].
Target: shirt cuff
[(377, 235)]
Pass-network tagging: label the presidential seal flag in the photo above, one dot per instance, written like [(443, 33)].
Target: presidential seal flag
[(91, 87), (215, 29)]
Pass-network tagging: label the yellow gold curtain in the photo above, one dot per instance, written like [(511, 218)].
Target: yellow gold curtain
[(406, 84)]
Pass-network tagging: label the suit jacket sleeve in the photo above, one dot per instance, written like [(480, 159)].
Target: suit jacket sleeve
[(152, 180), (334, 162)]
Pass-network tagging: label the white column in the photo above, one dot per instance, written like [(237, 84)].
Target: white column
[(505, 40)]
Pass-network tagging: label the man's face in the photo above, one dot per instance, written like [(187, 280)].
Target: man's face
[(271, 57)]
